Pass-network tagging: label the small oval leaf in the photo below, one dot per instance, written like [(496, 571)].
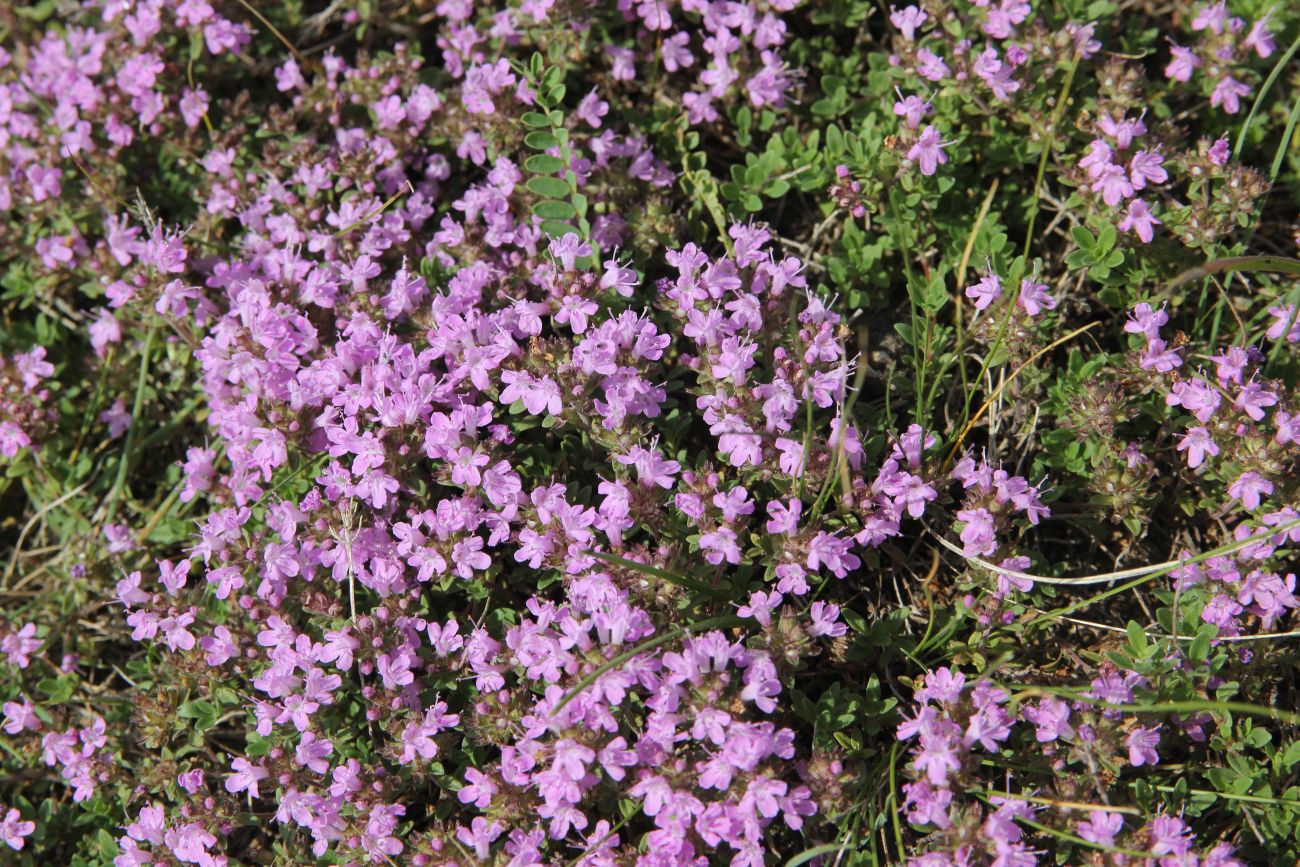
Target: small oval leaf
[(556, 229), (544, 164), (553, 210), (550, 188), (539, 140)]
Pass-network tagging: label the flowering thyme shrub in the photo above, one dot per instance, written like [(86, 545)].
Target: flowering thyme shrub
[(649, 433)]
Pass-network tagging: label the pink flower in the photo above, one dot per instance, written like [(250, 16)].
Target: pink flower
[(1250, 487), (760, 607), (1260, 39), (823, 619), (1034, 298), (1228, 93), (569, 249), (1184, 63), (1138, 218), (19, 646), (1218, 152), (907, 20), (1142, 744), (977, 536), (13, 829), (784, 519), (1146, 320), (20, 717), (985, 292), (928, 151), (1198, 443), (1097, 159), (651, 468), (1146, 167), (1113, 184), (912, 109), (1213, 17), (1101, 827), (246, 776)]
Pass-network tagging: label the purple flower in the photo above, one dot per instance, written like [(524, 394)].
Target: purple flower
[(988, 728), (907, 20), (783, 519), (937, 758), (1250, 487), (1198, 443), (942, 685), (1169, 835), (1253, 399), (985, 292), (13, 829), (928, 805), (311, 752), (592, 108), (928, 151), (1159, 357), (1034, 298), (20, 717), (913, 109), (824, 620), (1051, 717), (651, 468), (1146, 321), (569, 249), (720, 545), (1101, 827), (1123, 131), (977, 535), (1113, 184), (1213, 17), (1228, 93), (1184, 62), (1097, 159), (910, 492), (1139, 219), (19, 646), (1141, 744), (1146, 167), (246, 776), (760, 607), (479, 836), (1198, 398), (1260, 39)]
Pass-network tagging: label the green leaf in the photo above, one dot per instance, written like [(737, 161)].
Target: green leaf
[(1106, 239), (555, 95), (556, 229), (1291, 756), (536, 120), (544, 164), (59, 689), (834, 141), (1200, 649), (203, 712), (539, 140), (549, 209), (1083, 238), (548, 187)]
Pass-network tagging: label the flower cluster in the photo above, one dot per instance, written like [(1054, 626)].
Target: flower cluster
[(1223, 39), (537, 433), (956, 723)]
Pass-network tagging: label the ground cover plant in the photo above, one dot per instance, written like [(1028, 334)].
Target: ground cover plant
[(649, 432)]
